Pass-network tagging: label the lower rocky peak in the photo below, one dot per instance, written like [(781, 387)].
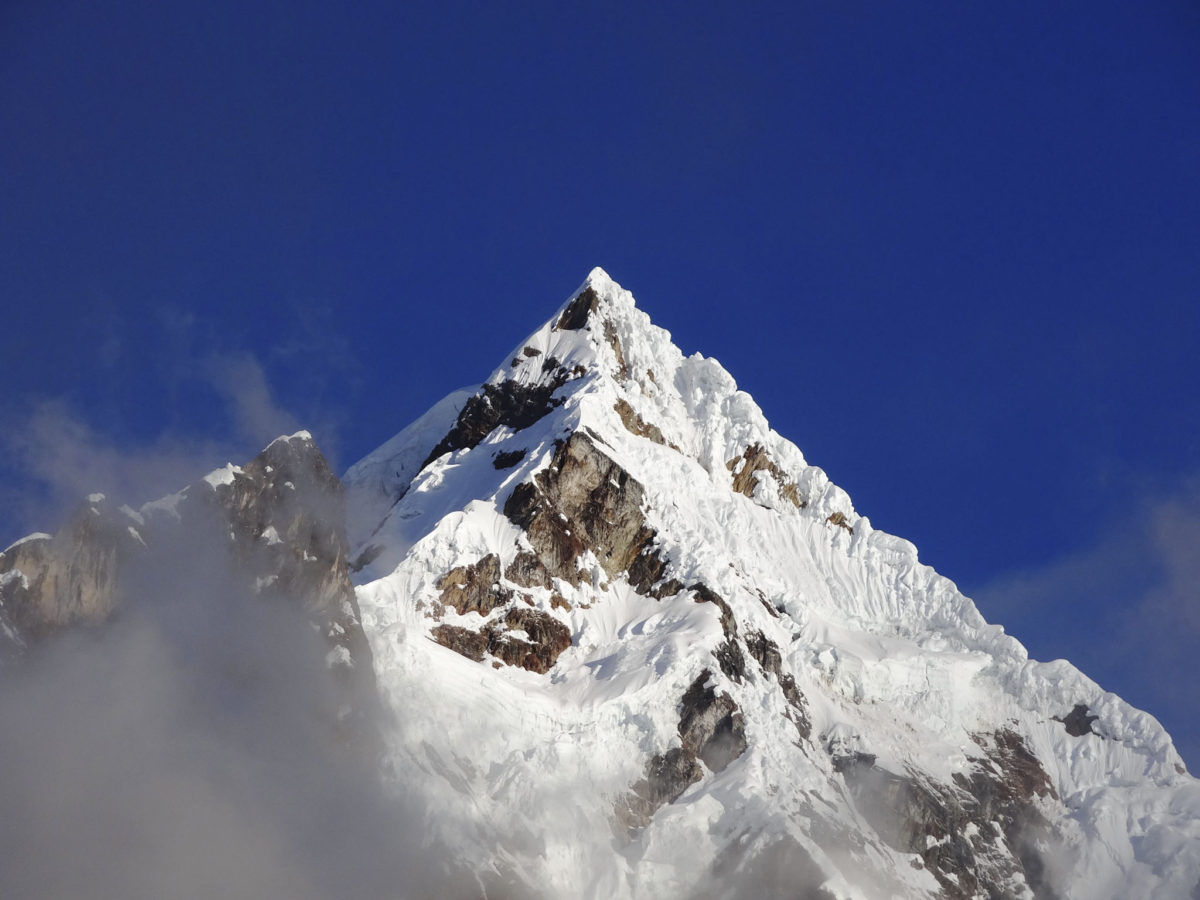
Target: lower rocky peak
[(273, 530), (48, 583)]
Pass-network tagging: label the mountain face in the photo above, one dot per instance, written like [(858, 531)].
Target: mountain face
[(610, 636)]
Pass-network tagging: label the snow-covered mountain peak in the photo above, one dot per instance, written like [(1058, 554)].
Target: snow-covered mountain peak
[(628, 643), (606, 539)]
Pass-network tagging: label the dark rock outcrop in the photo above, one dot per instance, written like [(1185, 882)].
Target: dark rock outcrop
[(584, 501), (576, 315), (710, 730), (710, 724), (729, 652), (547, 639), (977, 837), (753, 460), (1078, 722), (667, 776), (506, 459), (475, 588), (765, 652), (510, 403)]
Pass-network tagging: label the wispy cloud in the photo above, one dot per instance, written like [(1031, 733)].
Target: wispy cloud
[(55, 454), (242, 383), (1126, 609)]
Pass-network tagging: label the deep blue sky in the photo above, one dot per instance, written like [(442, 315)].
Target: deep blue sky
[(952, 249)]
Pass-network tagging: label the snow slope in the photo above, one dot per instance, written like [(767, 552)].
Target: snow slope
[(905, 693)]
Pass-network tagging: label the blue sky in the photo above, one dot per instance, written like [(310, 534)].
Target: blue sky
[(950, 248)]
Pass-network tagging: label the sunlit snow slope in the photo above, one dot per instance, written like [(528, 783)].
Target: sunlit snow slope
[(635, 646)]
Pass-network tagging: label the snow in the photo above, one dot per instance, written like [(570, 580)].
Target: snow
[(36, 536), (13, 576), (222, 476), (133, 514), (95, 498), (168, 505), (302, 436), (378, 480), (892, 659)]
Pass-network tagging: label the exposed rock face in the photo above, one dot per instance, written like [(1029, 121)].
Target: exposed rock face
[(635, 424), (585, 501), (667, 776), (710, 730), (729, 652), (475, 588), (746, 468), (47, 583), (548, 638), (732, 661), (527, 571), (839, 519), (985, 835), (765, 652), (575, 316), (507, 459), (509, 403), (614, 342), (710, 725)]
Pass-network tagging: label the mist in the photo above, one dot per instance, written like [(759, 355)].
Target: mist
[(184, 750)]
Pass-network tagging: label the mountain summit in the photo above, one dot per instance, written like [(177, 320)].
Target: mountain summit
[(628, 643), (644, 649)]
